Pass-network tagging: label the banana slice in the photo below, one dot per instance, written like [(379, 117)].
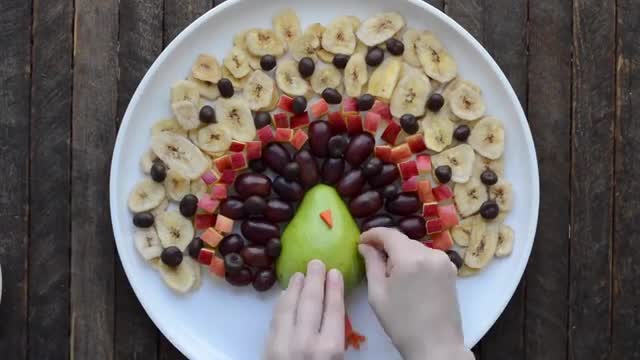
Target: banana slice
[(262, 42), (258, 90), (238, 83), (239, 39), (436, 62), (505, 241), (438, 130), (287, 26), (206, 68), (482, 245), (174, 229), (180, 154), (384, 78), (181, 278), (167, 125), (380, 28), (176, 185), (289, 80), (487, 137), (146, 161), (460, 159), (461, 233), (185, 90), (327, 76), (325, 56), (187, 114), (355, 75), (214, 138), (466, 103), (208, 90), (361, 49), (147, 243), (146, 195), (502, 193), (305, 45), (199, 188), (410, 95), (275, 98), (469, 196), (158, 210), (338, 37), (409, 39), (466, 271), (237, 62), (235, 115), (482, 163), (316, 29)]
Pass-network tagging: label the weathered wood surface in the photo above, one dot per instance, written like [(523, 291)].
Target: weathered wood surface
[(574, 65)]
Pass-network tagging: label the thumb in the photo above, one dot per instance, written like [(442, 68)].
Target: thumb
[(376, 268)]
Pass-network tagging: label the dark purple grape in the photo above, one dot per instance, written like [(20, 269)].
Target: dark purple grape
[(381, 220), (404, 204), (233, 262), (254, 206), (413, 226), (248, 184), (390, 192), (144, 219), (359, 149), (264, 280), (257, 165), (232, 208), (171, 256), (319, 135), (372, 167), (337, 146), (256, 256), (351, 183), (259, 231), (332, 170), (158, 171), (309, 174), (273, 247), (291, 171), (366, 204), (232, 243), (240, 278), (489, 209), (194, 247), (299, 105), (278, 211), (387, 176), (276, 156), (287, 190), (188, 205)]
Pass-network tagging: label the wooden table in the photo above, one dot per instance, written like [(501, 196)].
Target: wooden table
[(68, 69)]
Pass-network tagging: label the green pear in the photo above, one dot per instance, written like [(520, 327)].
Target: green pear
[(308, 237)]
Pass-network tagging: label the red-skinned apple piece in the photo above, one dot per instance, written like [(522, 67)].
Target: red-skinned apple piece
[(281, 120), (237, 146), (400, 153), (449, 215), (299, 139), (265, 134), (319, 109), (208, 204), (381, 108), (372, 122), (238, 161), (425, 192), (204, 221), (410, 184), (390, 134), (219, 191), (442, 192), (211, 237), (222, 163), (205, 256), (254, 150), (430, 209), (424, 163), (354, 122), (224, 224), (286, 103), (298, 121), (383, 152), (228, 176), (416, 143), (336, 122), (217, 266), (434, 226), (408, 169), (210, 176), (349, 104), (283, 135), (442, 241)]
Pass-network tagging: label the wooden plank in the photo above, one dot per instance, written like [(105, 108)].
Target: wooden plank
[(626, 259), (15, 42), (94, 113), (438, 4), (50, 240), (550, 120), (178, 14), (469, 14), (168, 352), (591, 180), (136, 337)]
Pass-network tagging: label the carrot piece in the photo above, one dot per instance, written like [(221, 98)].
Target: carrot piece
[(326, 217)]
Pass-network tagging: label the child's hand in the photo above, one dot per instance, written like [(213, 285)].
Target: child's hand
[(302, 328), (412, 291)]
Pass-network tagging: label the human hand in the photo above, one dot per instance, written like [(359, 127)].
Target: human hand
[(308, 321), (412, 291)]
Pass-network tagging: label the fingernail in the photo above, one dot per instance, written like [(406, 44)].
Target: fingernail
[(297, 277), (315, 266), (335, 276)]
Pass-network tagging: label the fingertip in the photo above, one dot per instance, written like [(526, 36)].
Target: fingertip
[(315, 265), (335, 277)]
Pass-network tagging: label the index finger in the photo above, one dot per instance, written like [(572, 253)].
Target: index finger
[(390, 240)]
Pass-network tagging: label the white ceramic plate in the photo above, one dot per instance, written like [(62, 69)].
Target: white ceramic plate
[(221, 322)]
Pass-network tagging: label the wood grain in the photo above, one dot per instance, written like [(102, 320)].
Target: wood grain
[(469, 14), (15, 67), (178, 14), (94, 114), (50, 240), (438, 4), (136, 337), (626, 254), (591, 181), (550, 120)]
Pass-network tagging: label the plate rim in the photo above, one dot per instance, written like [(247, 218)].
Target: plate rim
[(169, 50)]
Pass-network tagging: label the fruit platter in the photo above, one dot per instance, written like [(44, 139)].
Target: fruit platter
[(300, 136)]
